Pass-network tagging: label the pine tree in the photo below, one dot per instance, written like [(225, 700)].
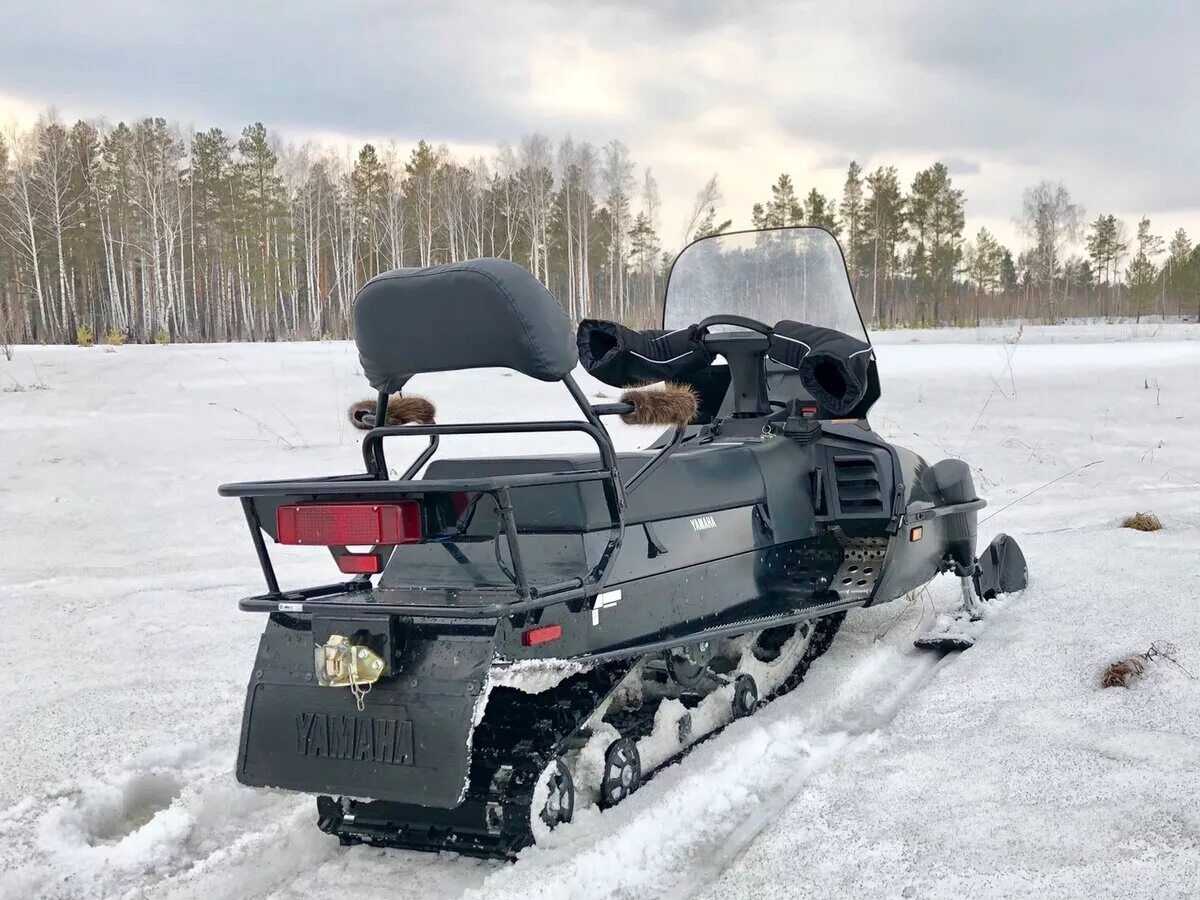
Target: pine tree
[(421, 174), (1079, 279), (850, 210), (1189, 281), (370, 185), (263, 200), (883, 229), (1008, 272), (709, 226), (1143, 273), (819, 211), (1178, 267), (644, 251), (1106, 247), (782, 210), (936, 217), (984, 264), (82, 239), (212, 224)]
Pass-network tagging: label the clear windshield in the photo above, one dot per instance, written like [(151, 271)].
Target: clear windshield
[(782, 273)]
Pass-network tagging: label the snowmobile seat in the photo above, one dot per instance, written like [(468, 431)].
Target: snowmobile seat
[(690, 482)]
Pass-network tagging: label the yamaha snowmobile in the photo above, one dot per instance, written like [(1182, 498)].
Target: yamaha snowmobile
[(522, 634)]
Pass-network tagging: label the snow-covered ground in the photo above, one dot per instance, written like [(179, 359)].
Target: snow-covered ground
[(1005, 771)]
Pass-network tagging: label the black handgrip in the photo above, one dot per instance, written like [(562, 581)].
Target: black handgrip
[(738, 321), (613, 409)]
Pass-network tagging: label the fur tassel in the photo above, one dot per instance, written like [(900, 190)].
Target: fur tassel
[(673, 404), (400, 411)]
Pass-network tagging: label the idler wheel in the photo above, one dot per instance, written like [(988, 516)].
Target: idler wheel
[(559, 786), (622, 772), (745, 696)]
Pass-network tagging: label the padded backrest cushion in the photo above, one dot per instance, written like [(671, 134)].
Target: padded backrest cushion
[(469, 315)]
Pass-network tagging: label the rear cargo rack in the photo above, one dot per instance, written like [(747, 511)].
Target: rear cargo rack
[(374, 485)]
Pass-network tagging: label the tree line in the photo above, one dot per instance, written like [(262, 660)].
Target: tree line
[(911, 264), (144, 232)]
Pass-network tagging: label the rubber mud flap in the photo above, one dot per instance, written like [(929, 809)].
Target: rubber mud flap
[(410, 743)]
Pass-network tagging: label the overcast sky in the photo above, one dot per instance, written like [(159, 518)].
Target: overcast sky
[(1099, 94)]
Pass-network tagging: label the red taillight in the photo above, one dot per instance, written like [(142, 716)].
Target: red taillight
[(349, 524), (541, 635), (360, 563)]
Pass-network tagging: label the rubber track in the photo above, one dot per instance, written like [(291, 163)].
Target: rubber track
[(519, 736), (641, 721)]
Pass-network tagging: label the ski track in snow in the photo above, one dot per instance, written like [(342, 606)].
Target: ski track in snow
[(887, 772)]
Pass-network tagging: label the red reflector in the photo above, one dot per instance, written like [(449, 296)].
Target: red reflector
[(349, 524), (542, 635), (359, 563)]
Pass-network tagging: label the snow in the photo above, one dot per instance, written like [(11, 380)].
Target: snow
[(1003, 771), (533, 676)]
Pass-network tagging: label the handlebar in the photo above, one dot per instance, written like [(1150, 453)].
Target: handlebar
[(738, 321)]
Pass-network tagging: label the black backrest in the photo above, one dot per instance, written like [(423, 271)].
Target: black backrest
[(468, 315)]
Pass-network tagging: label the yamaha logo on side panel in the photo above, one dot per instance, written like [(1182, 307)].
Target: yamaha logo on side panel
[(701, 523)]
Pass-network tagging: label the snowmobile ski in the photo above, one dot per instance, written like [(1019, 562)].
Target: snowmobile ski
[(1000, 570)]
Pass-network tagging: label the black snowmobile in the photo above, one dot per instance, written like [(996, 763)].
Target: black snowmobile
[(550, 629)]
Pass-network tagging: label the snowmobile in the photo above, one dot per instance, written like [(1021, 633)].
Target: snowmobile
[(521, 634)]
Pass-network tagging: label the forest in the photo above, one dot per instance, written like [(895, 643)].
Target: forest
[(146, 232)]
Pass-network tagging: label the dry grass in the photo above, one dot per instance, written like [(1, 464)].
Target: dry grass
[(1143, 521), (1121, 672)]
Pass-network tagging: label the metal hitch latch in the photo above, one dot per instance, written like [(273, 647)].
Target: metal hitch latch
[(340, 663)]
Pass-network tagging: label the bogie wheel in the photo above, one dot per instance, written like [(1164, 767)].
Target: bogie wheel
[(622, 772), (745, 696), (558, 787)]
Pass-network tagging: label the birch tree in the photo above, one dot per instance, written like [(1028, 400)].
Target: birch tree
[(1051, 222), (20, 218)]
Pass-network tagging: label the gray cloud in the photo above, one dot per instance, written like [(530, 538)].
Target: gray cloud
[(1098, 93)]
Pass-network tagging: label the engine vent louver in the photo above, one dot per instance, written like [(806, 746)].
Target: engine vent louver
[(857, 480)]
